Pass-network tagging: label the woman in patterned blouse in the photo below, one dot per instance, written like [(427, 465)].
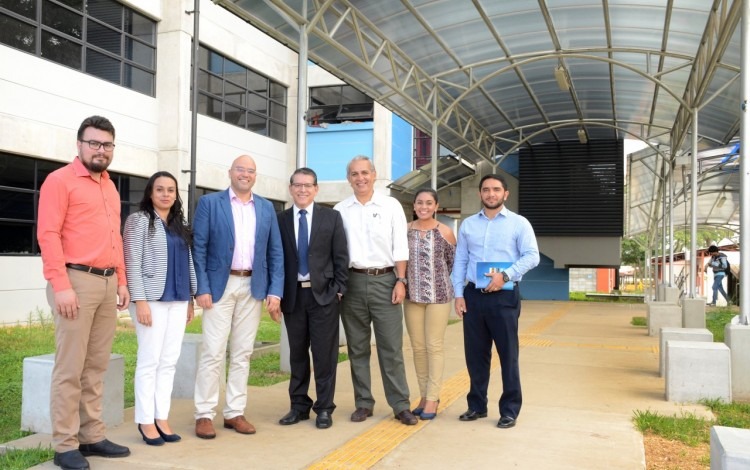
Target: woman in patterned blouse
[(432, 247)]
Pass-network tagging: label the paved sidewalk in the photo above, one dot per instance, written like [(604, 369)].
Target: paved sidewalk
[(584, 370)]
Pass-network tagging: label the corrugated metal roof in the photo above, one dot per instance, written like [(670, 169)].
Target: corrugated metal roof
[(497, 75)]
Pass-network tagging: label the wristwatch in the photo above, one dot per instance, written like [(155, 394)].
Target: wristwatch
[(506, 278), (402, 279)]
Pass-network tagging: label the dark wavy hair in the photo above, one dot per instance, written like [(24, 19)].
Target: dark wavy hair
[(176, 217)]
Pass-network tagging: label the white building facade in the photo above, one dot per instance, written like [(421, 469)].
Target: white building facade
[(130, 61)]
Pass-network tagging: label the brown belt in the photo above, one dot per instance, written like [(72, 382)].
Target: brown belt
[(241, 272), (373, 271)]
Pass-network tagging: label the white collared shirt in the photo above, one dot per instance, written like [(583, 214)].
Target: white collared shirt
[(375, 231), (308, 216)]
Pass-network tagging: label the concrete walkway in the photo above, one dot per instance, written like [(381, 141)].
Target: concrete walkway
[(584, 370)]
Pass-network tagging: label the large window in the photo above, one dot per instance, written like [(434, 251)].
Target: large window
[(100, 37), (20, 180), (233, 93), (340, 103)]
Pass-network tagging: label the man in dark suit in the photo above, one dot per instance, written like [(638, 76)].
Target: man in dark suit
[(316, 268), (238, 263)]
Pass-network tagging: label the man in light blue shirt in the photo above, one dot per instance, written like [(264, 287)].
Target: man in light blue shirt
[(490, 314)]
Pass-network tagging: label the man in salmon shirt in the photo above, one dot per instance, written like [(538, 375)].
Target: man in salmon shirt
[(79, 236)]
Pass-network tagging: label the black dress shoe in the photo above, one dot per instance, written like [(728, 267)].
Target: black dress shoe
[(165, 436), (294, 417), (324, 420), (471, 415), (104, 448), (71, 460), (407, 417), (152, 441), (506, 422)]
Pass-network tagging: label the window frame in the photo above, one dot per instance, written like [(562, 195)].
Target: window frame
[(271, 123), (84, 45)]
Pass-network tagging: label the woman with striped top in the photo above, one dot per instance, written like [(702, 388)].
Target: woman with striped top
[(432, 247), (161, 281)]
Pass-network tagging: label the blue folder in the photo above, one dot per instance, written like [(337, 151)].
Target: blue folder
[(484, 267)]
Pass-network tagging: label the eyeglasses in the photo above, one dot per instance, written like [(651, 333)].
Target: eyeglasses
[(299, 186), (239, 169), (96, 145)]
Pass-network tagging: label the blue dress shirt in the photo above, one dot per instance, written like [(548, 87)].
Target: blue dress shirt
[(507, 237)]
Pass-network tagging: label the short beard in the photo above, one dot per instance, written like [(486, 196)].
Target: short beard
[(493, 207), (95, 167)]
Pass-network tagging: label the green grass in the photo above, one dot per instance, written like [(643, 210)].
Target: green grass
[(36, 337), (717, 319), (638, 321), (687, 427), (21, 459), (579, 297)]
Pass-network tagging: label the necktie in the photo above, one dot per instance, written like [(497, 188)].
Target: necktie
[(302, 243)]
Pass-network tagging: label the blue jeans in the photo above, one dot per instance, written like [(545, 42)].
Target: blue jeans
[(718, 287)]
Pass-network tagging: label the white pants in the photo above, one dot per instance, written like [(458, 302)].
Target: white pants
[(159, 347), (234, 318)]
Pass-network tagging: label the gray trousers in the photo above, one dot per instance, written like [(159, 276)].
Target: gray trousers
[(368, 300)]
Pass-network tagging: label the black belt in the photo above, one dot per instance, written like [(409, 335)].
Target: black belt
[(106, 272), (304, 284), (241, 272), (373, 271)]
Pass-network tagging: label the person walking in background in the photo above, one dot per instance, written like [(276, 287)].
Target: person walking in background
[(491, 314), (720, 266), (79, 236), (162, 283), (375, 228), (432, 247), (239, 262), (316, 268)]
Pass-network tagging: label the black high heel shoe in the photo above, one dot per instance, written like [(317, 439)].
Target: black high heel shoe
[(156, 441), (167, 437)]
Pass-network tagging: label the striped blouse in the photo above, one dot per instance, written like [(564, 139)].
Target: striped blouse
[(429, 268)]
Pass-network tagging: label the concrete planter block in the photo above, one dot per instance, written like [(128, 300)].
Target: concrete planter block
[(662, 315), (737, 338), (697, 370), (187, 366), (672, 295), (694, 313), (679, 334), (730, 448), (37, 377)]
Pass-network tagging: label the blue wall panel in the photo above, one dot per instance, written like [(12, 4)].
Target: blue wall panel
[(329, 150), (401, 147), (545, 282)]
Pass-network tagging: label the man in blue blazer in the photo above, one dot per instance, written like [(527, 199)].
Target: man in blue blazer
[(239, 263)]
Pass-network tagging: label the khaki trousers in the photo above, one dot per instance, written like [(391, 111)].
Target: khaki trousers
[(426, 325), (82, 350)]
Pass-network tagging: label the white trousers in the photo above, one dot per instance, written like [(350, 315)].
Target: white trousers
[(159, 347), (234, 319)]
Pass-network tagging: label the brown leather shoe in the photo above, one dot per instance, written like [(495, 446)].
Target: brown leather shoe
[(204, 428), (239, 424), (361, 414), (407, 417)]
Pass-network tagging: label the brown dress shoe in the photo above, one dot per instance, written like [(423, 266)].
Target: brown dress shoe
[(239, 424), (361, 414), (407, 417), (204, 428)]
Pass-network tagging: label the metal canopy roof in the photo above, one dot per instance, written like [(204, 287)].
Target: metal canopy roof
[(500, 74)]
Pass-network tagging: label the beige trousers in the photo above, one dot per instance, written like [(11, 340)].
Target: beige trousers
[(82, 349), (426, 325)]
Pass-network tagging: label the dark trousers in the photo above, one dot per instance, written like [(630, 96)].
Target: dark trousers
[(489, 318), (313, 327)]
